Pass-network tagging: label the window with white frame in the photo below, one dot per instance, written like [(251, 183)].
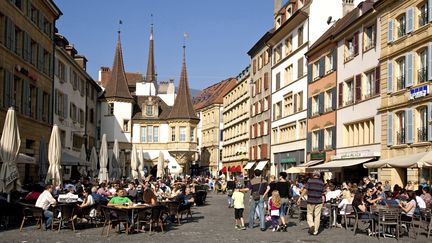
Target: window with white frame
[(316, 68), (349, 92), (277, 53), (369, 37), (369, 90), (182, 134), (288, 104), (149, 134), (155, 134), (328, 100), (401, 73), (143, 134), (288, 45), (315, 140), (288, 75), (328, 63), (422, 124), (400, 127), (422, 75), (315, 105), (423, 14), (349, 48), (401, 25), (328, 138)]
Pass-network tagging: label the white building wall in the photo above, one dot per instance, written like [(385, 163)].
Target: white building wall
[(112, 126), (168, 98), (145, 89), (364, 62)]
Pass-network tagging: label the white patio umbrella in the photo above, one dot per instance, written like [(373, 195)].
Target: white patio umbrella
[(83, 161), (114, 165), (141, 164), (122, 163), (54, 157), (43, 160), (160, 165), (103, 160), (9, 147), (134, 163), (93, 162)]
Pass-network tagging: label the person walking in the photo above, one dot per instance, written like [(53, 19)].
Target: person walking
[(258, 188), (274, 208), (314, 190), (238, 200), (283, 186)]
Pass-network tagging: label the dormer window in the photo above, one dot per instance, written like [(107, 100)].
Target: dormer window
[(288, 12), (111, 109), (149, 110)]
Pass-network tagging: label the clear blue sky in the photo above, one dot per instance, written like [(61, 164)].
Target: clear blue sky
[(220, 34)]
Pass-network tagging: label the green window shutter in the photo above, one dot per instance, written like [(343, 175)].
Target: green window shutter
[(389, 129), (409, 72), (389, 76), (390, 31), (409, 120), (65, 106)]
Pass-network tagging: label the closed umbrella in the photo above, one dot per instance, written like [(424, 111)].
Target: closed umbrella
[(134, 163), (141, 164), (54, 158), (160, 165), (122, 162), (114, 165), (43, 160), (93, 162), (9, 147), (103, 160), (83, 161)]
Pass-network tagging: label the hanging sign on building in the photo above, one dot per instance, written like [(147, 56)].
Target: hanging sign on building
[(419, 92)]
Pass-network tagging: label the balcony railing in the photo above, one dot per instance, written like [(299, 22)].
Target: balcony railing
[(401, 82), (400, 137), (422, 134), (401, 31), (422, 75)]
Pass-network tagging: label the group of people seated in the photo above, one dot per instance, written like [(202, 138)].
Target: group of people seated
[(121, 192)]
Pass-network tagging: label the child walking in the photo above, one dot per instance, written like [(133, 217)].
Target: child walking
[(274, 208), (238, 198)]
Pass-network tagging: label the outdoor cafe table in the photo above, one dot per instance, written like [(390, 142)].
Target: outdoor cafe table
[(132, 209)]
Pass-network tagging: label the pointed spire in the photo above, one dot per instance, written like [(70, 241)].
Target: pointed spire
[(183, 107), (151, 74), (117, 86)]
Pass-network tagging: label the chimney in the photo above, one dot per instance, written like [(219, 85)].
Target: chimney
[(347, 6), (104, 75), (70, 49), (82, 61), (277, 6)]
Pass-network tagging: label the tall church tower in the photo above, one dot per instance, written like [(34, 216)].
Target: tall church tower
[(116, 103), (182, 122), (148, 87)]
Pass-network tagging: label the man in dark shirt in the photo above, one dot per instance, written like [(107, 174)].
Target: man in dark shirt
[(257, 184), (314, 189), (283, 186)]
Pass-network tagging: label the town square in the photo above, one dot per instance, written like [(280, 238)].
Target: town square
[(234, 121)]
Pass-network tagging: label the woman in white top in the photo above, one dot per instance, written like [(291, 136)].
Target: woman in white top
[(85, 207), (342, 206), (409, 207)]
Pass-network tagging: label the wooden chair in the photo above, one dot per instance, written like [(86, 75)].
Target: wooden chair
[(144, 216), (114, 216), (389, 217), (349, 214), (358, 219), (157, 213), (173, 210), (184, 209), (67, 212), (302, 209), (32, 212)]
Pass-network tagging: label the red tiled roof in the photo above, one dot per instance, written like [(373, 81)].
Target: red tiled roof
[(213, 94)]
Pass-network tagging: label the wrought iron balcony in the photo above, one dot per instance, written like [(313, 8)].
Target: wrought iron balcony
[(400, 137), (422, 134), (422, 75), (401, 82)]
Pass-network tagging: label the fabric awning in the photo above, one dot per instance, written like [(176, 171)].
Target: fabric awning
[(68, 159), (261, 165), (224, 169), (302, 168), (335, 164), (24, 159), (249, 165), (232, 169), (407, 161), (238, 168)]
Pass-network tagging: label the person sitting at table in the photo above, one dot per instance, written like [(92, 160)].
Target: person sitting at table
[(360, 205), (70, 192), (97, 197), (88, 201), (409, 186), (149, 197), (331, 193), (420, 202), (371, 198), (44, 201), (131, 190), (426, 196), (120, 198), (409, 207), (103, 190), (342, 206)]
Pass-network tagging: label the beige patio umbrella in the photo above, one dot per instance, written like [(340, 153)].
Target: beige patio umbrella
[(160, 165), (122, 163), (93, 162), (54, 157), (141, 164), (103, 160), (9, 147), (114, 165), (83, 161), (134, 163)]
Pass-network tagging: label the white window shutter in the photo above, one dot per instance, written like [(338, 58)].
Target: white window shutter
[(429, 60), (389, 129), (429, 120), (390, 31), (410, 20), (409, 132), (389, 76), (409, 72)]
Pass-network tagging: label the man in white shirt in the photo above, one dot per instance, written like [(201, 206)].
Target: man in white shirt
[(44, 201)]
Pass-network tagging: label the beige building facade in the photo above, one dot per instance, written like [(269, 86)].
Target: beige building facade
[(26, 74), (406, 104), (236, 125)]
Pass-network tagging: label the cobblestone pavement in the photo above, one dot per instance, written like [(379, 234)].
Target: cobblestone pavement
[(211, 223)]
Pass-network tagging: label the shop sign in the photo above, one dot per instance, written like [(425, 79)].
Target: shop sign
[(419, 92), (288, 160), (356, 154), (318, 156)]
